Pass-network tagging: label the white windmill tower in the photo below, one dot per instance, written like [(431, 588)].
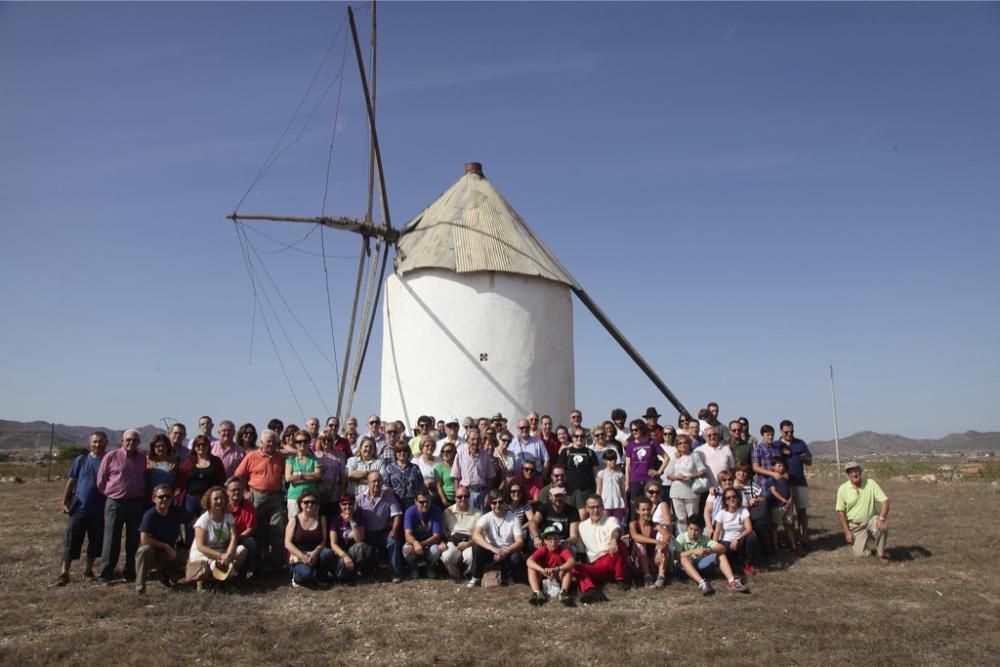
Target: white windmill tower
[(478, 316)]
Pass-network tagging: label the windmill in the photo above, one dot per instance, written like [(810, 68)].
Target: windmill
[(478, 312)]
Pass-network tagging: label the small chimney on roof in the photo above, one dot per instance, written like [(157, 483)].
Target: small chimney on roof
[(474, 168)]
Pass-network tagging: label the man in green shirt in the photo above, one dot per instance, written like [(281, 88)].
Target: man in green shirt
[(863, 523)]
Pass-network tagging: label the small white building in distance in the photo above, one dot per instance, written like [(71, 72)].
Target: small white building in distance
[(478, 316)]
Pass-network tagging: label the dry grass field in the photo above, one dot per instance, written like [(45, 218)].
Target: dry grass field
[(938, 603)]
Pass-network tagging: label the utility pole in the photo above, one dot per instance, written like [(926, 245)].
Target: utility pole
[(52, 443), (836, 429)]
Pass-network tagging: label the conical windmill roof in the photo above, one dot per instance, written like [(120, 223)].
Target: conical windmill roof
[(470, 228)]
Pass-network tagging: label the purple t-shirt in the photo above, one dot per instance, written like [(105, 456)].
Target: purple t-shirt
[(423, 524), (344, 530), (642, 455)]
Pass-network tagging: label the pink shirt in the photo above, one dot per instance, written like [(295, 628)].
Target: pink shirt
[(230, 457), (472, 470), (121, 477)]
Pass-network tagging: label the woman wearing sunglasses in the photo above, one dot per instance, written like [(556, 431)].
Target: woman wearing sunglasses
[(346, 539), (306, 543), (302, 472), (732, 528)]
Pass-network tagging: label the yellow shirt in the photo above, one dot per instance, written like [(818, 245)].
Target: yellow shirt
[(859, 503)]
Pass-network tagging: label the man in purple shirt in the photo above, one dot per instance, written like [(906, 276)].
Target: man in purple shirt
[(378, 511), (473, 469), (122, 480), (423, 530), (227, 449)]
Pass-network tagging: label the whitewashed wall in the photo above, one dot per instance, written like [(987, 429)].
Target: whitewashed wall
[(437, 324)]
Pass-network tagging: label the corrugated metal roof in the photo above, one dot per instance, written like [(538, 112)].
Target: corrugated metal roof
[(471, 227)]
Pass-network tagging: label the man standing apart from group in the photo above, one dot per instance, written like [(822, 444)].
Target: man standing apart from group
[(84, 505), (864, 525), (121, 479)]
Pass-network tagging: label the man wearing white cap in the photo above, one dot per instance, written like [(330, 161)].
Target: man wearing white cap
[(863, 523), (450, 436)]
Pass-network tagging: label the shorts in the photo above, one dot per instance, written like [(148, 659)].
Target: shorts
[(79, 526), (779, 516), (801, 494), (578, 498)]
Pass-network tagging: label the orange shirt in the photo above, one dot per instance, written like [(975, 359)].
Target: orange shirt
[(263, 473)]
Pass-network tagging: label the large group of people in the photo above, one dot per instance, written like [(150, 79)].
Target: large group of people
[(566, 508)]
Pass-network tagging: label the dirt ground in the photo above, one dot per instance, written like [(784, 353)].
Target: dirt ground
[(937, 603)]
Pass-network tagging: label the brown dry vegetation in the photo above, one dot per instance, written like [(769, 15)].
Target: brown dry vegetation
[(938, 603)]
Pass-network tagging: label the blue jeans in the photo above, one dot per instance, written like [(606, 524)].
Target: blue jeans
[(432, 555), (305, 575), (250, 545), (476, 497), (357, 552), (379, 540)]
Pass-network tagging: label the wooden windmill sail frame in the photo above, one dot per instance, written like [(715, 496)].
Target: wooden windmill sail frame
[(387, 235)]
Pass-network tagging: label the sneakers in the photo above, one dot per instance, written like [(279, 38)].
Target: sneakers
[(566, 599), (537, 599), (623, 585), (140, 589), (473, 583), (706, 588), (648, 581), (593, 596), (660, 582), (737, 586), (62, 579), (165, 580), (200, 586), (397, 579), (88, 574)]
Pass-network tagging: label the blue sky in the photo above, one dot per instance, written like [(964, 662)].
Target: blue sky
[(751, 191)]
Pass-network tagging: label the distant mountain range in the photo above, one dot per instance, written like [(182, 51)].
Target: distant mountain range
[(23, 435), (868, 443)]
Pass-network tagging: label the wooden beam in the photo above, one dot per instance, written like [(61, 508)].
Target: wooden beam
[(350, 224)]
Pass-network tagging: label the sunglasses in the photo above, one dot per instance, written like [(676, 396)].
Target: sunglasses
[(461, 497), (496, 502), (423, 502), (653, 492), (308, 502), (163, 497), (301, 442), (578, 437)]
